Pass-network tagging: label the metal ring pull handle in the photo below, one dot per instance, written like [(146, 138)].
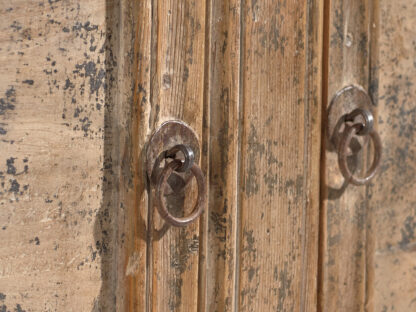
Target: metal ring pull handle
[(200, 203), (173, 153), (365, 128)]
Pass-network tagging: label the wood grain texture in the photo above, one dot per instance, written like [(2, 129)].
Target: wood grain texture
[(281, 66), (220, 232), (70, 123), (132, 95), (177, 92), (52, 111), (392, 197), (344, 216)]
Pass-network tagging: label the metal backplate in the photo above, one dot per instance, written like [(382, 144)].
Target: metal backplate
[(343, 103), (169, 134)]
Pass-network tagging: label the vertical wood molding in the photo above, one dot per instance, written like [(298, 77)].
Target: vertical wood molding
[(345, 220), (281, 66), (177, 84), (220, 233), (134, 279)]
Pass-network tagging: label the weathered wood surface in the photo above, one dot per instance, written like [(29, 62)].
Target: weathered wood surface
[(75, 122), (70, 147), (219, 235), (343, 210), (368, 233), (280, 148), (392, 197), (52, 106), (178, 74), (128, 128), (176, 92), (82, 87)]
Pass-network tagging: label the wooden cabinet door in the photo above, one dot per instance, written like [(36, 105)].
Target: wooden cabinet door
[(83, 86), (367, 233), (246, 77)]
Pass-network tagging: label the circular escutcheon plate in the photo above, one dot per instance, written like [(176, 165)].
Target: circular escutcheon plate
[(169, 134), (344, 102)]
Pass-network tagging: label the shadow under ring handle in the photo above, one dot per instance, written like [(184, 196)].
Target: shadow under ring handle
[(161, 184), (349, 132)]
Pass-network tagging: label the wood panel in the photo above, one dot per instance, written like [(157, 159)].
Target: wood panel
[(52, 107), (72, 136), (280, 148), (119, 225), (177, 92), (219, 234), (137, 64), (82, 88), (344, 217), (392, 197), (134, 22)]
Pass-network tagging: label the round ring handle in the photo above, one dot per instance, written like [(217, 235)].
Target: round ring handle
[(349, 132), (200, 203)]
